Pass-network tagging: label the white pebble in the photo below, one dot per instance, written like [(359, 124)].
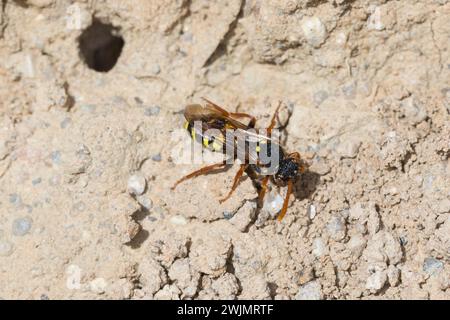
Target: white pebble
[(144, 201), (21, 226), (314, 30), (341, 38), (319, 247), (311, 211), (432, 266), (337, 228), (273, 203), (6, 248), (40, 3), (357, 244), (155, 69), (320, 96), (310, 291), (377, 279), (374, 21), (98, 285), (244, 216), (348, 148), (373, 222), (178, 220), (393, 275), (136, 184)]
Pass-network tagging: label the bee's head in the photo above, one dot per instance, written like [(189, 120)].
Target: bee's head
[(290, 167)]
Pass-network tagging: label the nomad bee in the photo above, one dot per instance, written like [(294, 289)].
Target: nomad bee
[(213, 133)]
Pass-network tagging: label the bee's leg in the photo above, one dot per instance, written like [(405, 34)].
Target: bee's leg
[(274, 119), (199, 172), (262, 191), (286, 201), (236, 181)]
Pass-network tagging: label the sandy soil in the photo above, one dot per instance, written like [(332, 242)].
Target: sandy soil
[(90, 101)]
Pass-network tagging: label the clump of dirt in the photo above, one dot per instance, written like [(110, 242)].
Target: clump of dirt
[(90, 101)]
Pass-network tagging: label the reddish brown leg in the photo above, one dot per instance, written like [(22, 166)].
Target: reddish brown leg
[(199, 172), (236, 181), (274, 119), (263, 190), (286, 201)]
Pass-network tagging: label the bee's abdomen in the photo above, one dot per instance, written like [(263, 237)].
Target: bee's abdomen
[(212, 142)]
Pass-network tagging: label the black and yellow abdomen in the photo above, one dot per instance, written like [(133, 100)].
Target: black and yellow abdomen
[(211, 139)]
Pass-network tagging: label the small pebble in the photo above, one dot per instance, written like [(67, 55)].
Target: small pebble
[(228, 215), (320, 96), (88, 108), (156, 157), (155, 69), (21, 226), (310, 291), (357, 244), (314, 30), (65, 123), (15, 199), (144, 201), (414, 110), (36, 181), (160, 211), (374, 21), (152, 111), (79, 206), (311, 211), (98, 285), (54, 180), (432, 266), (178, 220), (377, 279), (244, 216), (373, 222), (337, 228), (188, 37), (320, 167), (393, 276), (56, 157), (273, 203), (349, 90), (319, 247), (6, 248), (348, 148), (136, 184)]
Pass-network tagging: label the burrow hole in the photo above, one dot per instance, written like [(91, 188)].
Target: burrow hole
[(100, 46)]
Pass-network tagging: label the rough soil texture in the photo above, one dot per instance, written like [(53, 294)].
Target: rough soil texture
[(87, 157)]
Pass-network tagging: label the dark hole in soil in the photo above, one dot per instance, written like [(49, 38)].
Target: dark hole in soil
[(100, 46)]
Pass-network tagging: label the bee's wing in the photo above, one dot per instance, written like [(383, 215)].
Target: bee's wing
[(193, 112), (254, 136), (210, 112)]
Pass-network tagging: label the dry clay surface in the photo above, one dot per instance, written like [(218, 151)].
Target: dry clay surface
[(88, 149)]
